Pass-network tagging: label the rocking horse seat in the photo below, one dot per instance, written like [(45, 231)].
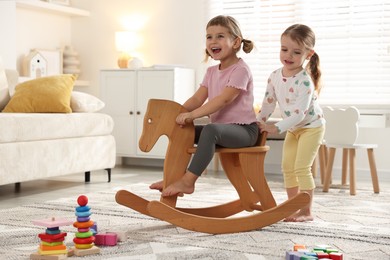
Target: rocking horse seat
[(244, 168)]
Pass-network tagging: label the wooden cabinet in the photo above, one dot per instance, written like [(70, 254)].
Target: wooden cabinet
[(126, 94)]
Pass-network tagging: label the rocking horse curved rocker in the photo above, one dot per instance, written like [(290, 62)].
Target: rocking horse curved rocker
[(244, 168)]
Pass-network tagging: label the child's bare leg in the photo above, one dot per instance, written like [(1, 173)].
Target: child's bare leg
[(303, 214), (185, 185)]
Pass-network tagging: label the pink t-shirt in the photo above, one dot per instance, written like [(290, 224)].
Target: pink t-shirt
[(239, 76)]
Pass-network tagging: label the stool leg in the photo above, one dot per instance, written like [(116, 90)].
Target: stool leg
[(374, 174), (329, 166), (352, 179), (344, 167), (323, 157)]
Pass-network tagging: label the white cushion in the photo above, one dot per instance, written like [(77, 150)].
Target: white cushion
[(4, 92), (23, 127), (83, 102)]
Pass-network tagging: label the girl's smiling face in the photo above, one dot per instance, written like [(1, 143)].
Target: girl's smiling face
[(220, 43), (292, 56)]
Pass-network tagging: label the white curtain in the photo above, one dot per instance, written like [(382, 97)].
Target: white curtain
[(352, 40)]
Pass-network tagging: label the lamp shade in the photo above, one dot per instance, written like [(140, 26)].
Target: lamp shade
[(126, 41)]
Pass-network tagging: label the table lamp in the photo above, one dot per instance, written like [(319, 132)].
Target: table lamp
[(125, 42)]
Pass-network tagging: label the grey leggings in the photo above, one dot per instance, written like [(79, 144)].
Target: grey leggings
[(210, 136)]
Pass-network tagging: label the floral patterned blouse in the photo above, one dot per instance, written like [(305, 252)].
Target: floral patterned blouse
[(297, 101)]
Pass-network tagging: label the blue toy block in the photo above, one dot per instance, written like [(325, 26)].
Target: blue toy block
[(293, 255)]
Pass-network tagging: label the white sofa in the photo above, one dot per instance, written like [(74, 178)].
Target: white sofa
[(43, 145)]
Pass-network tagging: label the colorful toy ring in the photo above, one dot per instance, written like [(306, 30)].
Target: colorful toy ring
[(84, 234), (83, 224)]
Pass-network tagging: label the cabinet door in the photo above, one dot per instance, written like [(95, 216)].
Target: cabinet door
[(158, 85), (118, 93)]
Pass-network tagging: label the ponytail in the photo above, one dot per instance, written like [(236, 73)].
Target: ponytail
[(314, 70), (247, 45)]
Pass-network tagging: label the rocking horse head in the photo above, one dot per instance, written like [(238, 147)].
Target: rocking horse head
[(160, 119)]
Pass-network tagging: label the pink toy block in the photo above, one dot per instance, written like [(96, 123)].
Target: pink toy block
[(121, 235), (108, 239), (336, 256)]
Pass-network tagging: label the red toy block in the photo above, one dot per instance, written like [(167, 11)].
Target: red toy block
[(336, 256), (322, 255)]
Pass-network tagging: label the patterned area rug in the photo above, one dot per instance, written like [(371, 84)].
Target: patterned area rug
[(358, 226)]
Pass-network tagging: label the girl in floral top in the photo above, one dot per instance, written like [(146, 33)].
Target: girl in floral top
[(296, 89)]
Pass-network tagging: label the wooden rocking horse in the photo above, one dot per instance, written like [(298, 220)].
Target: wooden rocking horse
[(244, 168)]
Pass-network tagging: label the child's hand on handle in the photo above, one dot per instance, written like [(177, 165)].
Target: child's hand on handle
[(184, 118), (270, 128)]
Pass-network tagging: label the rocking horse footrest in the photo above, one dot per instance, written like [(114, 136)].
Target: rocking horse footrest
[(254, 149)]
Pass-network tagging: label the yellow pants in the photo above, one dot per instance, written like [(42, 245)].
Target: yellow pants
[(299, 151)]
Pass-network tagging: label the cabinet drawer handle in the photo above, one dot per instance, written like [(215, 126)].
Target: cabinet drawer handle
[(138, 112), (131, 112)]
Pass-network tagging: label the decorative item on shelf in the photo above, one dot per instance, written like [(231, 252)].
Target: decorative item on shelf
[(126, 43), (39, 63), (135, 63), (34, 65), (71, 62)]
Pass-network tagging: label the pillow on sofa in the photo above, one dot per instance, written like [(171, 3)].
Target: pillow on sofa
[(83, 102), (4, 93), (43, 95)]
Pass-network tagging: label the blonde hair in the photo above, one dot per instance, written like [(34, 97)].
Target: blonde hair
[(232, 25), (304, 35)]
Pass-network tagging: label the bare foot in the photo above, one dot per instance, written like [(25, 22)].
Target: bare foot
[(178, 188), (157, 186), (300, 216)]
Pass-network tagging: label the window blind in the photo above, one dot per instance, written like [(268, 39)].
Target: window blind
[(352, 41)]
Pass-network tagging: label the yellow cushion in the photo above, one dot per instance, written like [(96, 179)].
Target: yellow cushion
[(43, 95)]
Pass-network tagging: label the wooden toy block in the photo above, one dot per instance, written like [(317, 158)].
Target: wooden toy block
[(84, 252), (299, 246), (310, 253), (107, 239), (293, 255), (336, 256), (331, 250), (322, 255), (308, 257), (37, 256)]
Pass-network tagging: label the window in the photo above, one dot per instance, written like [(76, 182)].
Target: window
[(352, 41)]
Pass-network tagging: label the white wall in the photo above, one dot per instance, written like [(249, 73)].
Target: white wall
[(173, 34), (8, 34)]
